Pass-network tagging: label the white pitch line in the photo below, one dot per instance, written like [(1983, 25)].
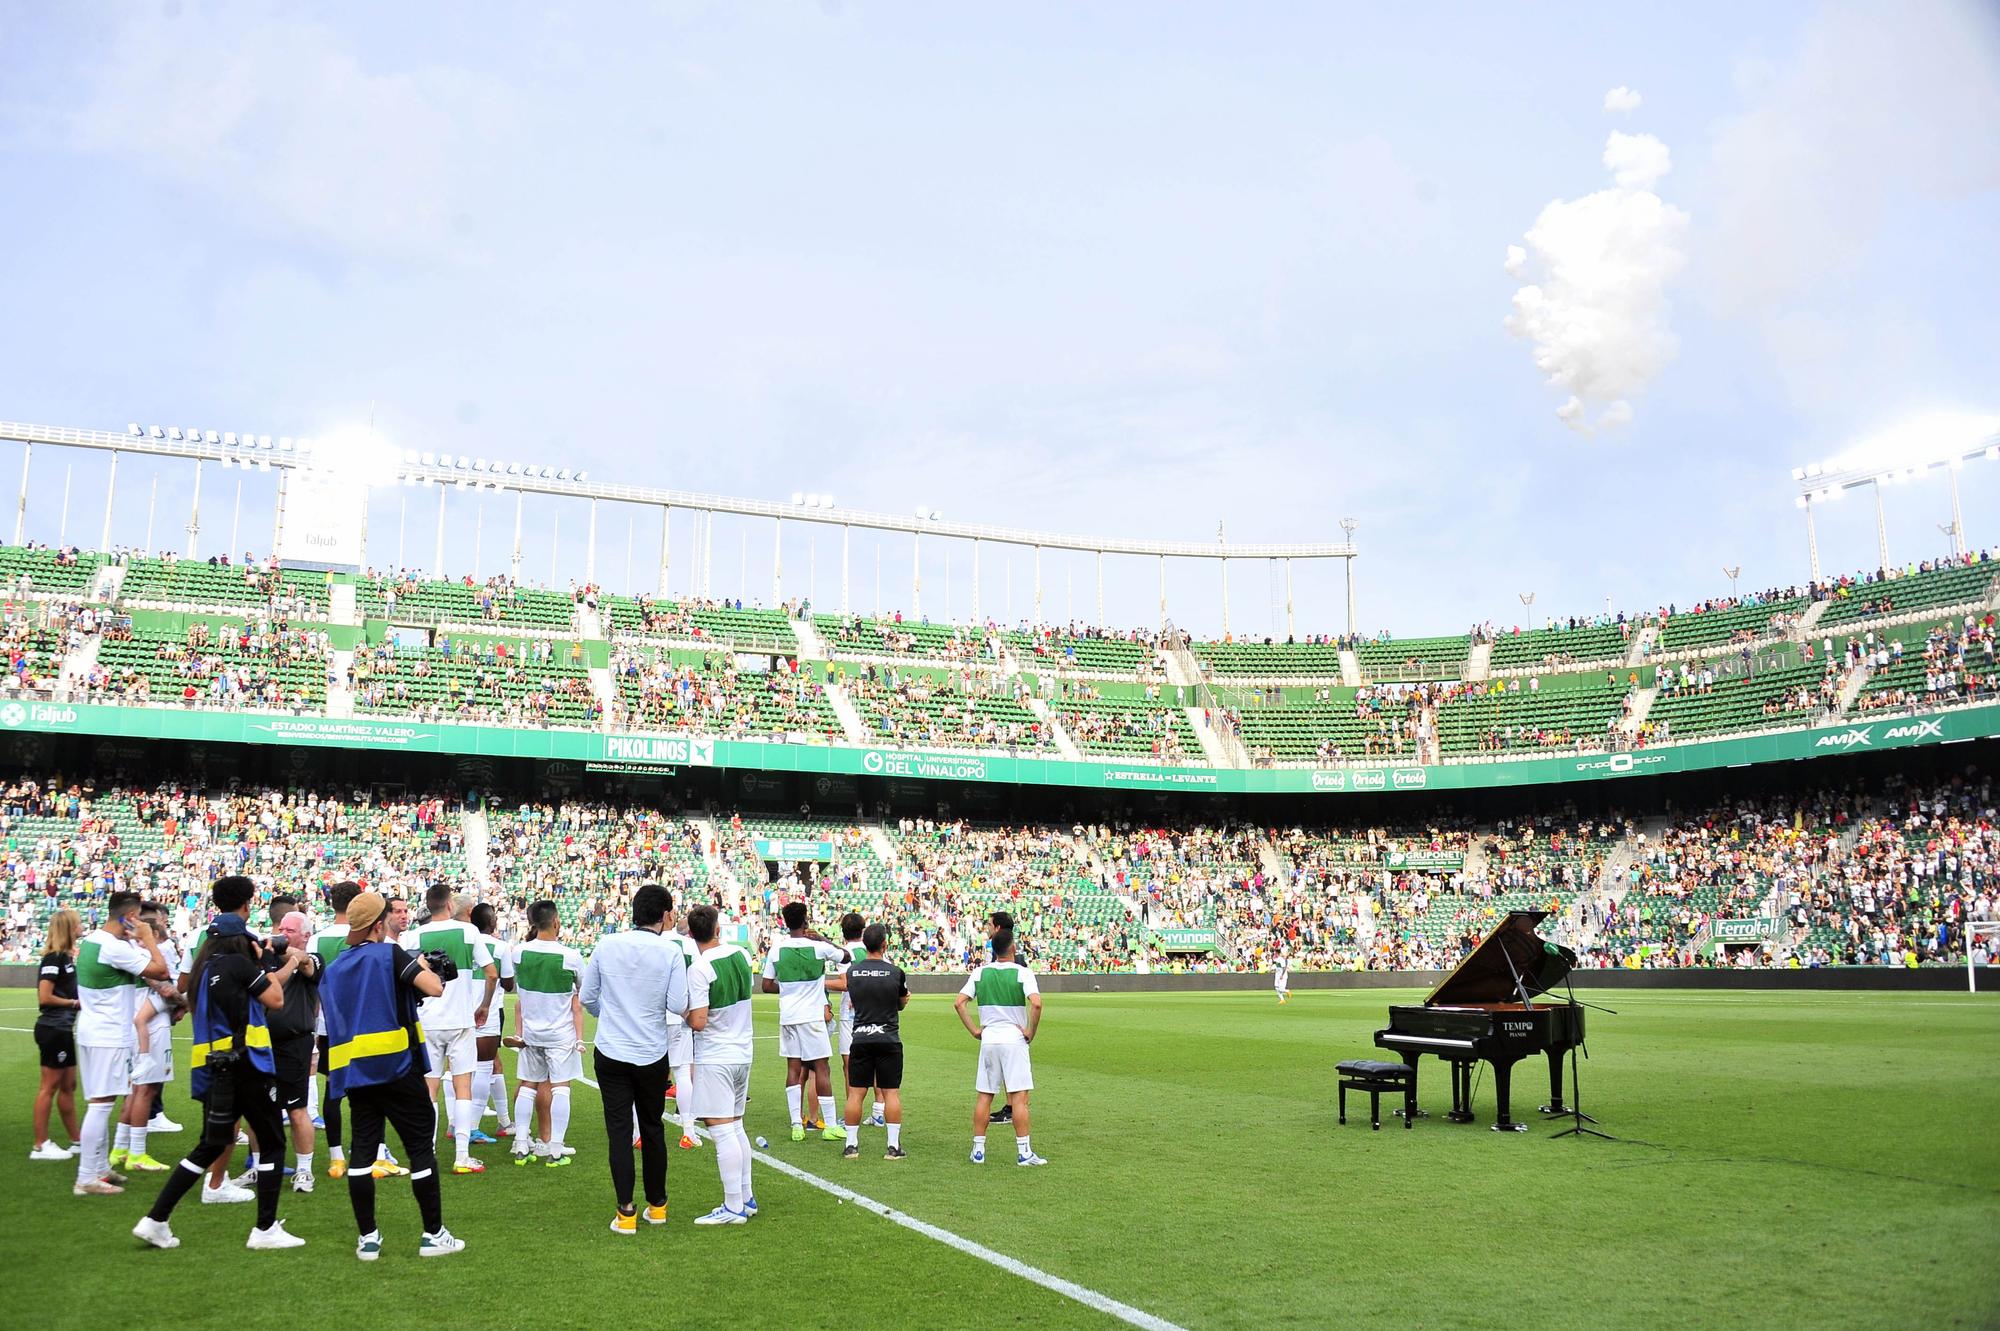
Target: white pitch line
[(1069, 1289)]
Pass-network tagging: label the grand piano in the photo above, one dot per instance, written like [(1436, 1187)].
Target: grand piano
[(1487, 1011)]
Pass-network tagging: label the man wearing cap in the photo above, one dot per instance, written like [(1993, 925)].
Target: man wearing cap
[(376, 1063)]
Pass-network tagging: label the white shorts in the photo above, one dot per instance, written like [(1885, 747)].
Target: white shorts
[(106, 1070), (451, 1052), (846, 1032), (1003, 1067), (494, 1015), (721, 1089), (155, 1066), (680, 1045), (806, 1040), (548, 1062)]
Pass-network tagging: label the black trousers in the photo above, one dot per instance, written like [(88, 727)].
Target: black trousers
[(625, 1088), (234, 1091), (329, 1108), (404, 1104)]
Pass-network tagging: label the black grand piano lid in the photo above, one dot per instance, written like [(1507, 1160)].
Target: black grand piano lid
[(1485, 976)]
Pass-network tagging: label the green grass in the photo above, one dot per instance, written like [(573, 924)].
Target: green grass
[(1786, 1160)]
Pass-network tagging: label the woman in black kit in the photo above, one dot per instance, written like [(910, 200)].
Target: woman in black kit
[(55, 1034)]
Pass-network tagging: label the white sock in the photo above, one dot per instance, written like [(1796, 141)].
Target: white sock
[(826, 1110), (524, 1114), (743, 1144), (336, 1153), (979, 1142), (558, 1115), (95, 1161), (895, 1134), (482, 1087), (684, 1097), (727, 1148), (794, 1097), (497, 1092), (138, 1139), (464, 1113), (312, 1097), (382, 1152), (854, 1134), (122, 1137), (1022, 1148)]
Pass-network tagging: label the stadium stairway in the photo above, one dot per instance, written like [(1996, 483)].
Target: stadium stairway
[(1350, 668), (1810, 618), (78, 664), (478, 841), (1480, 663), (811, 646), (884, 844), (589, 622), (1851, 686), (340, 604), (339, 697), (1064, 744), (1642, 644), (850, 720), (104, 587), (1614, 876), (1642, 703), (1214, 745)]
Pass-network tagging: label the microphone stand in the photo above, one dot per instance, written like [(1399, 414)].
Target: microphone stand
[(1576, 1115)]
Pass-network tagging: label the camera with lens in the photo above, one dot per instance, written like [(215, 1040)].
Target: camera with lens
[(441, 964)]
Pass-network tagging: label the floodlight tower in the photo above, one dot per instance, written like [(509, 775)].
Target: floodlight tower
[(1347, 526), (1897, 457)]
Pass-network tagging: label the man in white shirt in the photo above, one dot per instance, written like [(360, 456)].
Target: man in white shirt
[(548, 1016), (450, 1019), (795, 969), (719, 1015), (634, 980), (112, 966), (1010, 1010), (489, 1077)]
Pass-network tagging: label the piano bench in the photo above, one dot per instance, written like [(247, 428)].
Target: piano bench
[(1378, 1078)]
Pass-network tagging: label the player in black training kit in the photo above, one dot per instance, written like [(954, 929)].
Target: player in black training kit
[(879, 992)]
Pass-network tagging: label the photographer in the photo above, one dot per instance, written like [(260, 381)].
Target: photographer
[(376, 1063), (232, 1066)]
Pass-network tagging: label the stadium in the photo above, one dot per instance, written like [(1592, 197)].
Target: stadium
[(1308, 879)]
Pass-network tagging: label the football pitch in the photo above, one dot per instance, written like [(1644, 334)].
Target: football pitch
[(1824, 1160)]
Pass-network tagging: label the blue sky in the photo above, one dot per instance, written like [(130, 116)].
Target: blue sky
[(1130, 269)]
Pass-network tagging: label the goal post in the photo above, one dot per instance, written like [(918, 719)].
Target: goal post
[(1974, 931)]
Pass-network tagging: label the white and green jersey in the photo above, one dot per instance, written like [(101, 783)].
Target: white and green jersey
[(107, 980), (452, 1010), (799, 967), (546, 974), (1001, 988), (845, 1011), (720, 981), (503, 966), (689, 951)]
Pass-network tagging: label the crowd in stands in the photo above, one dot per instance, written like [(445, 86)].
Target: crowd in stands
[(465, 680), (1845, 876), (715, 695), (1958, 665), (947, 709)]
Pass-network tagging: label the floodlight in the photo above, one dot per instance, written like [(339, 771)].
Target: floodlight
[(283, 442), (302, 445), (461, 482), (563, 475), (157, 432), (225, 461), (132, 430), (1798, 473), (548, 473), (798, 498), (463, 461), (263, 441), (479, 464), (173, 432), (213, 437), (580, 475), (229, 438), (410, 457), (1993, 453), (513, 469), (263, 464), (1800, 501), (920, 511), (429, 459), (826, 501)]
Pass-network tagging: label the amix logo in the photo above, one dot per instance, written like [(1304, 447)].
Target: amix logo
[(1852, 737), (1329, 781), (1917, 730), (1409, 778)]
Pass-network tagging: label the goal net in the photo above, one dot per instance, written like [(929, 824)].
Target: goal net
[(1982, 941)]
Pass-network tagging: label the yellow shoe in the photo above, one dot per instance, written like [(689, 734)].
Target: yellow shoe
[(624, 1224), (656, 1215), (144, 1164), (387, 1169), (119, 1157), (337, 1169)]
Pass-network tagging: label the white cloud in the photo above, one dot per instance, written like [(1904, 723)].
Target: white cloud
[(285, 127), (1621, 98), (1636, 161), (1596, 271)]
